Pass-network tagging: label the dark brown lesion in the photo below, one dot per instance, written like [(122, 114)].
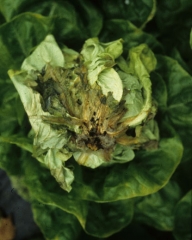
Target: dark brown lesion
[(70, 100)]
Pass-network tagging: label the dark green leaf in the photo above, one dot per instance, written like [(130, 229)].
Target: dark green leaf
[(131, 35), (182, 223), (97, 219), (173, 19), (179, 88), (136, 11), (178, 81), (157, 209), (2, 20), (149, 172), (8, 116), (177, 56), (54, 223), (9, 8), (159, 90), (90, 16), (10, 159), (18, 37), (105, 219), (183, 175)]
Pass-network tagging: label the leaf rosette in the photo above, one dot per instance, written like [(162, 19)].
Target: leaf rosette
[(95, 106)]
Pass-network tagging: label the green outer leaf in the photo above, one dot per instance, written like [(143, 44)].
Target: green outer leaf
[(106, 219), (157, 209), (183, 175), (8, 108), (182, 223), (112, 216), (178, 81), (91, 16), (88, 213), (22, 142), (175, 7), (177, 56), (8, 154), (9, 127), (25, 31), (67, 25), (179, 99), (190, 41), (151, 15), (54, 223), (149, 172), (173, 32), (18, 183), (159, 90), (77, 17), (138, 12), (18, 37), (131, 35), (9, 9)]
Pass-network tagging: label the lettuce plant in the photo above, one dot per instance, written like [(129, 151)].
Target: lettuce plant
[(85, 104), (96, 115)]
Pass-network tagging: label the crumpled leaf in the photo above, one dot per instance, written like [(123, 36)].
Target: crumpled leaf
[(121, 154), (140, 57), (69, 116), (45, 136), (54, 160), (91, 159), (99, 58), (134, 98)]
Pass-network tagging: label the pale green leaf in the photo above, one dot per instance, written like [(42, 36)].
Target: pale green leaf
[(47, 52), (54, 160), (109, 81)]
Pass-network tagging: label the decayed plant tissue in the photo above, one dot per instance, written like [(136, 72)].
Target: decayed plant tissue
[(94, 105)]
